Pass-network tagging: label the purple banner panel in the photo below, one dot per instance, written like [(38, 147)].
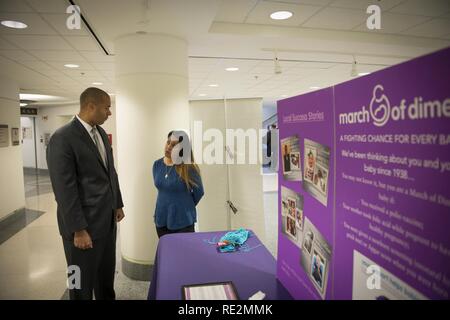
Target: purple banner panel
[(305, 184), (392, 182)]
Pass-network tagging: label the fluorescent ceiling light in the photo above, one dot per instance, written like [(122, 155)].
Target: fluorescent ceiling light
[(232, 69), (14, 24), (213, 85), (71, 66), (281, 15), (314, 88), (39, 97), (202, 95), (284, 95), (23, 104), (363, 73), (97, 83)]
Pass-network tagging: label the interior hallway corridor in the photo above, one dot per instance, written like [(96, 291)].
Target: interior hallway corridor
[(32, 261)]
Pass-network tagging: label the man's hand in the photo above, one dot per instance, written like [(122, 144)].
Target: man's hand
[(82, 240), (119, 214)]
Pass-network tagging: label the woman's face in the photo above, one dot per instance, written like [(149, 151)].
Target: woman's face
[(169, 146)]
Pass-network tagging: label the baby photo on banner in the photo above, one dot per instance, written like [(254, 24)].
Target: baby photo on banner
[(316, 257), (292, 215), (316, 168), (290, 150)]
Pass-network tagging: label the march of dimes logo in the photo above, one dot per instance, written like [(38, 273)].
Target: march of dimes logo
[(381, 110), (380, 107)]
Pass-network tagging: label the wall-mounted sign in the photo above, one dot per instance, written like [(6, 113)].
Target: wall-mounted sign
[(4, 135), (27, 133), (28, 111), (15, 138)]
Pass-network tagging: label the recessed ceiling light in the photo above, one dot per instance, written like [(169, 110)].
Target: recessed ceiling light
[(213, 85), (202, 95), (97, 83), (363, 73), (14, 24), (71, 66), (232, 69), (281, 15), (39, 97)]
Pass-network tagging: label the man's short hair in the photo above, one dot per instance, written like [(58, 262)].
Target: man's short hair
[(94, 95)]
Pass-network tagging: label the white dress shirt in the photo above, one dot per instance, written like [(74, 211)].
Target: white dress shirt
[(101, 146)]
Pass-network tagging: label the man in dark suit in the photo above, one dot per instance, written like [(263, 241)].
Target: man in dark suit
[(86, 187)]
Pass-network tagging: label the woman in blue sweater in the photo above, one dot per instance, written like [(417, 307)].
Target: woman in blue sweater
[(179, 187)]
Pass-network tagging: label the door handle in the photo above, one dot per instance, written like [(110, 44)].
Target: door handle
[(231, 205)]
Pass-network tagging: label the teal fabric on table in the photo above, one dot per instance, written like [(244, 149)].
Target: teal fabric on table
[(235, 239)]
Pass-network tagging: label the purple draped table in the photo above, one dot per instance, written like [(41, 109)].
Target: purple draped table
[(192, 258)]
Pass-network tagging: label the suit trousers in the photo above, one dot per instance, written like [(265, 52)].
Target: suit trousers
[(97, 267)]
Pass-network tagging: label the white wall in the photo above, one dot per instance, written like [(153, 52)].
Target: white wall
[(51, 118), (12, 192), (242, 184)]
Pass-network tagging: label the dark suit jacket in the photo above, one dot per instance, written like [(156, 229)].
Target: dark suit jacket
[(87, 193)]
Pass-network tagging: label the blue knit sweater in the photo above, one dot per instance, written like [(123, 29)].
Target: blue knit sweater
[(175, 205)]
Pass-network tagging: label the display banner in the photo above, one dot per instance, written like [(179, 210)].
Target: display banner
[(393, 181), (306, 203), (375, 188)]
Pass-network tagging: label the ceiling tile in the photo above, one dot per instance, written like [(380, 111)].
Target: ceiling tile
[(108, 74), (336, 18), (29, 42), (313, 2), (430, 8), (364, 4), (49, 6), (203, 61), (394, 23), (17, 55), (85, 43), (234, 10), (36, 65), (103, 66), (52, 73), (6, 45), (261, 13), (14, 6), (435, 28), (36, 25), (58, 55), (96, 56), (58, 22)]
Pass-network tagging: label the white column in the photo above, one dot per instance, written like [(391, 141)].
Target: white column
[(12, 193), (151, 99)]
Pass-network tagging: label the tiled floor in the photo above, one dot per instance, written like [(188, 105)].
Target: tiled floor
[(32, 261)]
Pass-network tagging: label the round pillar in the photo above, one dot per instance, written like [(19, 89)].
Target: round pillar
[(152, 94)]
